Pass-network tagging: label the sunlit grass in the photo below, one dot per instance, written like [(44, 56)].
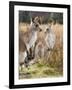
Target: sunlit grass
[(41, 69)]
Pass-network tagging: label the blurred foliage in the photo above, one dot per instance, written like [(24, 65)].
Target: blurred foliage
[(24, 16), (46, 17)]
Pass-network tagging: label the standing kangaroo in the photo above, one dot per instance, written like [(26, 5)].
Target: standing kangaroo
[(50, 39), (27, 41)]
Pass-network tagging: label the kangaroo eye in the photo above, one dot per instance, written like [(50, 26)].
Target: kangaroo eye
[(47, 29), (36, 25)]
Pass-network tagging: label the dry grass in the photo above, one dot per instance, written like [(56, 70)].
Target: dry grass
[(51, 66), (57, 28)]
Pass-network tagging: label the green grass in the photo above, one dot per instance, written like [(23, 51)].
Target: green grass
[(39, 70)]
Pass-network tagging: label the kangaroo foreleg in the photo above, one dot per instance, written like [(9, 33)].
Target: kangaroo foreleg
[(34, 49)]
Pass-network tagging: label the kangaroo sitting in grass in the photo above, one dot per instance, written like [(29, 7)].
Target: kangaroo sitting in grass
[(28, 41)]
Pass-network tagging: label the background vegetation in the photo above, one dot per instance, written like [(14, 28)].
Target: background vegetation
[(25, 16)]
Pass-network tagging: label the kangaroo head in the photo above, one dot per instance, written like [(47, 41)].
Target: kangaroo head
[(36, 23)]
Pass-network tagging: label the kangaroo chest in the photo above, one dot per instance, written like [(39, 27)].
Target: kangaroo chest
[(32, 40), (50, 40)]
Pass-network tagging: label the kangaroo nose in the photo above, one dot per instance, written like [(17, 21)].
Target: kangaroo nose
[(40, 30)]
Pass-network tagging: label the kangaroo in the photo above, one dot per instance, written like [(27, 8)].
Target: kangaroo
[(50, 39), (28, 41)]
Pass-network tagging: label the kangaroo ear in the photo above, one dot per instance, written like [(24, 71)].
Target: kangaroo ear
[(39, 20), (36, 18), (32, 19)]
